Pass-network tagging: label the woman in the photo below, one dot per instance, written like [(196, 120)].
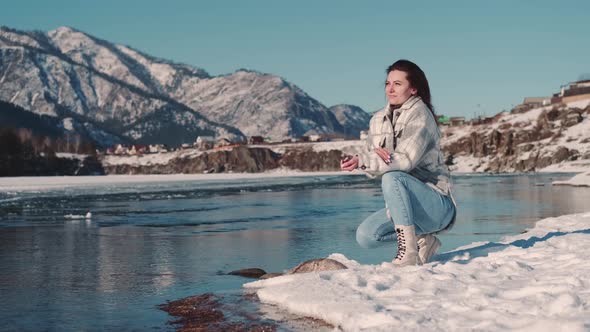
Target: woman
[(403, 148)]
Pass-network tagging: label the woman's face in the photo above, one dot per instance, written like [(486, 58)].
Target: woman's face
[(397, 87)]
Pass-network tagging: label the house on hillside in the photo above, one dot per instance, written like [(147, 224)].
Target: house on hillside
[(443, 120), (315, 138), (157, 148), (120, 149), (204, 142), (223, 141), (457, 121), (530, 103), (256, 140), (140, 149), (132, 151), (575, 91)]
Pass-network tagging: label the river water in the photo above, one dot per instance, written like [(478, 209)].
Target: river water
[(156, 241)]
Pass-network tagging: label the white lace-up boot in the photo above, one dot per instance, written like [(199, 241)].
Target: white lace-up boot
[(428, 245), (407, 246)]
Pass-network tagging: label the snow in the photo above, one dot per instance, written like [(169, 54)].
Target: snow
[(468, 164), (71, 155), (536, 281), (14, 97), (68, 124), (164, 73), (38, 183), (150, 159), (580, 180), (348, 147), (576, 166), (579, 103)]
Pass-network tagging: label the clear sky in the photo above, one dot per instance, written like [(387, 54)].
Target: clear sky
[(479, 56)]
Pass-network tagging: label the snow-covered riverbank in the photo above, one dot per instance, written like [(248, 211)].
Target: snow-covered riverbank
[(535, 281)]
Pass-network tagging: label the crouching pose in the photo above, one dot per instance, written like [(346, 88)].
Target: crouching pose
[(403, 148)]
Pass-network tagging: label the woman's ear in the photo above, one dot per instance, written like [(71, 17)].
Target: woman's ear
[(413, 92)]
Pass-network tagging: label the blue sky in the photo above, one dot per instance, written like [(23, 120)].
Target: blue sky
[(480, 57)]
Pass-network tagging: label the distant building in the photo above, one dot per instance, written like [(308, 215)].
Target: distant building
[(185, 146), (204, 142), (443, 120), (536, 101), (256, 140), (157, 148), (457, 121), (575, 88), (315, 138), (223, 142), (531, 102), (140, 149), (120, 149)]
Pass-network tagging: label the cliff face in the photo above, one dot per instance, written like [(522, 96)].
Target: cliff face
[(524, 142), (311, 161), (238, 160)]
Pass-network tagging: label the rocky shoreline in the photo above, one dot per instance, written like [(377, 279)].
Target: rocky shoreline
[(513, 143), (241, 159), (525, 142)]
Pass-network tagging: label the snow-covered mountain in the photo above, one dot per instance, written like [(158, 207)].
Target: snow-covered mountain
[(352, 118), (114, 90)]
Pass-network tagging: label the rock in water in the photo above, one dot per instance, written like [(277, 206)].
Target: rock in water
[(271, 275), (316, 265), (312, 265), (249, 273)]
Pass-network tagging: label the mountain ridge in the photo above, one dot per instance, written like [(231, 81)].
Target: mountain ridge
[(107, 83)]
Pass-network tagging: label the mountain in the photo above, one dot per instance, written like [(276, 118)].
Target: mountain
[(352, 118), (117, 92), (43, 74)]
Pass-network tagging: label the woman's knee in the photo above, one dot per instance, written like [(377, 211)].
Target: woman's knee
[(366, 237), (393, 177), (390, 180)]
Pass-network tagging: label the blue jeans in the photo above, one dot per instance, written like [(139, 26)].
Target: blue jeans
[(408, 201)]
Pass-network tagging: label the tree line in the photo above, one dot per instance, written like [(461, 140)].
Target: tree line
[(29, 143)]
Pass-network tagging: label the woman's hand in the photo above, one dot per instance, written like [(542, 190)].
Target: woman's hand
[(349, 163), (383, 154)]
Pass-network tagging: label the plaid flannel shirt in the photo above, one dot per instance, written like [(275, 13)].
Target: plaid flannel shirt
[(412, 136)]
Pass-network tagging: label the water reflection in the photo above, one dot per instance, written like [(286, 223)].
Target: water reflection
[(140, 250)]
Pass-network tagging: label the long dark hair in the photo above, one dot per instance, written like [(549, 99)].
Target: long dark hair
[(417, 80)]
